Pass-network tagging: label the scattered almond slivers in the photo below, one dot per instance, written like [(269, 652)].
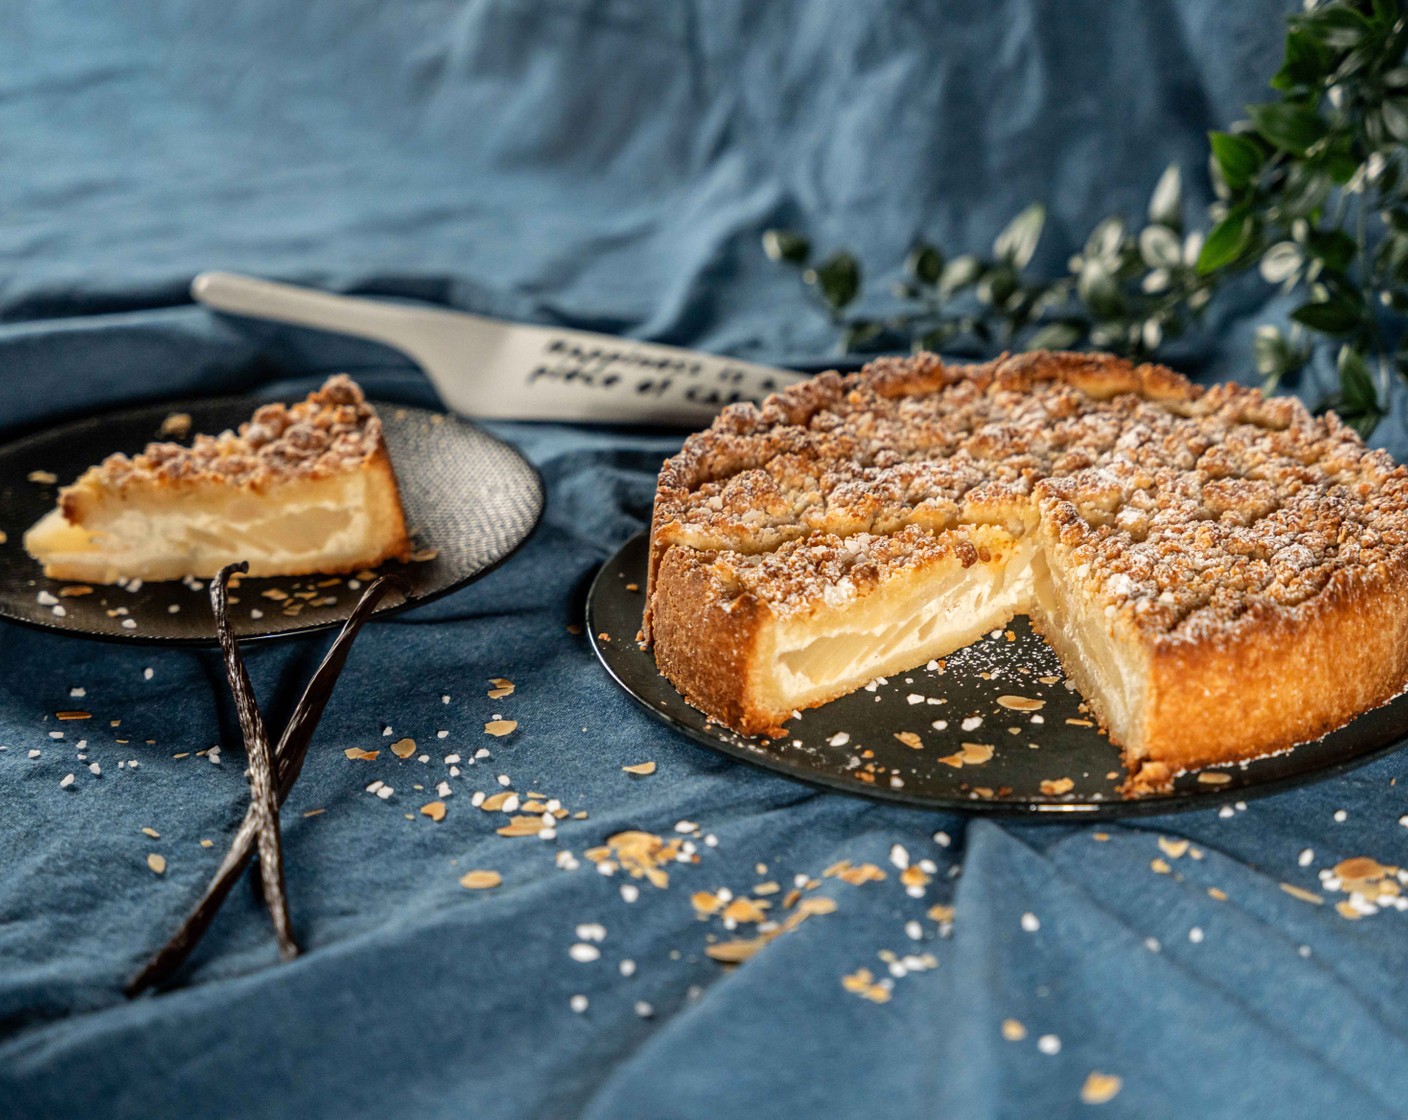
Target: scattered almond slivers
[(640, 854), (500, 727), (1214, 778), (480, 880), (736, 952), (972, 754), (502, 687), (1054, 787), (435, 810), (403, 748), (74, 590), (1021, 703), (862, 983), (909, 739), (73, 715), (854, 875), (1302, 894), (641, 768), (359, 753)]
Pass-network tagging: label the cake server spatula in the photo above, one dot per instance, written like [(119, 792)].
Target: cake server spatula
[(515, 371)]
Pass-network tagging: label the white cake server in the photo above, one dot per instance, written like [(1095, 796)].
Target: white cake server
[(514, 371)]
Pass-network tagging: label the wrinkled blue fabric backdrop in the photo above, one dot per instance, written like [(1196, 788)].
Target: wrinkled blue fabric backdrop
[(607, 165)]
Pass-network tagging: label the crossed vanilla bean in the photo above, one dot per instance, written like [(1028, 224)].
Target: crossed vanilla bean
[(287, 763)]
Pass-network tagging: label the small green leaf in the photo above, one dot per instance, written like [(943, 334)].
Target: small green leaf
[(1395, 116), (1239, 158), (1304, 191), (1338, 26), (998, 286), (1054, 336), (937, 338), (861, 333), (1280, 262), (1290, 127), (1305, 65), (1226, 242), (1105, 240), (786, 246), (1166, 203), (1333, 247), (1356, 383), (837, 279), (925, 263), (1159, 247), (960, 273), (1331, 316), (1018, 241), (1099, 290)]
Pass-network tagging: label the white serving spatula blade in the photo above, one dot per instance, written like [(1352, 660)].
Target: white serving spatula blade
[(514, 371)]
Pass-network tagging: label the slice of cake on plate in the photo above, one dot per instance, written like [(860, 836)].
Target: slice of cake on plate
[(1222, 575), (297, 490)]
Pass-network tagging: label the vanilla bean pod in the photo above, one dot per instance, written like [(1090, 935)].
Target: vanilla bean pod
[(288, 759), (264, 802)]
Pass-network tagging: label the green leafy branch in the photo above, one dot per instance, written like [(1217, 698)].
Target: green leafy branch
[(1312, 189)]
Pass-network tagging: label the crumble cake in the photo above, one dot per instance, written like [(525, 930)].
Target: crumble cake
[(297, 490), (1221, 574)]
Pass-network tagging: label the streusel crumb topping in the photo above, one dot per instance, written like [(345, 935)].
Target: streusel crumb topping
[(333, 429), (1183, 511)]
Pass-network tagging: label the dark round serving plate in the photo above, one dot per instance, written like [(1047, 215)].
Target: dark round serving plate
[(470, 499), (852, 744)]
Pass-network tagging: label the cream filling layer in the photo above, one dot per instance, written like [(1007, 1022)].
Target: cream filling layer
[(309, 526)]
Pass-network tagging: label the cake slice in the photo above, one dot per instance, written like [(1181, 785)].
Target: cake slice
[(297, 490), (1221, 575)]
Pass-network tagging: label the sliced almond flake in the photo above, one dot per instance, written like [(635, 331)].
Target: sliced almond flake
[(44, 478), (1099, 1088), (480, 880), (1174, 849), (641, 768), (746, 910), (1361, 867), (1161, 866), (500, 727), (767, 888), (211, 843), (909, 739), (1217, 893), (157, 862), (1021, 703), (275, 594), (915, 876), (403, 748), (496, 802), (502, 687), (73, 591), (736, 952), (705, 902), (941, 913), (954, 760), (975, 754), (359, 753), (522, 826), (1013, 1031), (1214, 778), (1347, 911), (858, 981), (74, 715), (435, 810), (1080, 723), (421, 555), (311, 813), (1055, 787)]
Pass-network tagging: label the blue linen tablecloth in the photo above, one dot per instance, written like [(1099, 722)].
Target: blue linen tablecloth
[(607, 165)]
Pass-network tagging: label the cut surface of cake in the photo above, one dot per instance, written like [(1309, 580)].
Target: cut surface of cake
[(300, 489), (1222, 575)]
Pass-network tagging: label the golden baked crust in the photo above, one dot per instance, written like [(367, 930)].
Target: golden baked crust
[(1249, 555)]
